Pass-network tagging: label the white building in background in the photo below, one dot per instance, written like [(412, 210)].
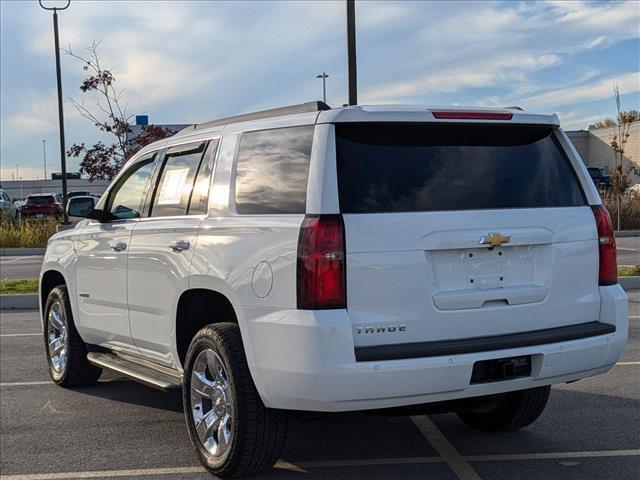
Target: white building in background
[(594, 147), (19, 189)]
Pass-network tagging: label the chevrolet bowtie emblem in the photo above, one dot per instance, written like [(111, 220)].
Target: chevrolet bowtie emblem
[(495, 239)]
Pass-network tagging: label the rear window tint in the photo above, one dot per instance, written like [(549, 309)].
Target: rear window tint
[(418, 167), (40, 200), (272, 171)]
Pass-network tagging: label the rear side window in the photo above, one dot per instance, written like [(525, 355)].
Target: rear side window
[(272, 171), (200, 195), (418, 167), (176, 180)]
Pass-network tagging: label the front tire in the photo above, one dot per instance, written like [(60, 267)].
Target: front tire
[(513, 411), (229, 426), (66, 352)]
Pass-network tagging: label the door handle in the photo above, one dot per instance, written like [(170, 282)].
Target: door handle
[(118, 246), (180, 245)]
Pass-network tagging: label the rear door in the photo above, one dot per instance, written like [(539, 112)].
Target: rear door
[(462, 230), (162, 246)]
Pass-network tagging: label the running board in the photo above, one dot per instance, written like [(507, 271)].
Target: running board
[(147, 373)]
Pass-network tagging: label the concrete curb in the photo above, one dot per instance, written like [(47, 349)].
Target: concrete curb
[(21, 252), (28, 301), (630, 283), (627, 233)]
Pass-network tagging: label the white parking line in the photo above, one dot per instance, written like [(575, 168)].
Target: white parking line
[(4, 262), (300, 466), (552, 455), (365, 462), (106, 473), (23, 384), (628, 363), (449, 454), (20, 334)]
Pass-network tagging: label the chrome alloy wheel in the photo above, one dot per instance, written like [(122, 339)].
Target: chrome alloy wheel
[(57, 338), (212, 406)]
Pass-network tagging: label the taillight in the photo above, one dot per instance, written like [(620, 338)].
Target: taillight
[(321, 263), (607, 246), (458, 115)]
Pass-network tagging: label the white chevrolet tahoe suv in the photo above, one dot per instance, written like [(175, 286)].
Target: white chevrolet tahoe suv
[(358, 258)]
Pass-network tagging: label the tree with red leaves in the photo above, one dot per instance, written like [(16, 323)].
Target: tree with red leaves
[(102, 161)]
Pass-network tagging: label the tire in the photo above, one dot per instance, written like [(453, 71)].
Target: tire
[(245, 437), (513, 411), (69, 368)]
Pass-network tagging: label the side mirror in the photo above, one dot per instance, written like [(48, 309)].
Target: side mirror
[(81, 206)]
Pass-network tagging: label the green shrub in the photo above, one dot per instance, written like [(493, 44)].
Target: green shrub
[(26, 233), (629, 271), (13, 287)]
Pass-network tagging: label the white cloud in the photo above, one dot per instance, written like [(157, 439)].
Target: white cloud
[(575, 121), (200, 60), (628, 83), (473, 74)]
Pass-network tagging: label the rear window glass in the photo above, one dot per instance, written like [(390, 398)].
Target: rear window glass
[(40, 200), (272, 171), (418, 167)]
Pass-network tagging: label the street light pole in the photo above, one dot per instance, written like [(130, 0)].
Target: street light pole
[(44, 157), (324, 77), (63, 160), (351, 52)]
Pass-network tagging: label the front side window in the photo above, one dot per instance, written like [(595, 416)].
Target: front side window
[(272, 171), (127, 197), (176, 180)]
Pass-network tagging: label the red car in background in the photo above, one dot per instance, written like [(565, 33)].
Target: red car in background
[(42, 205)]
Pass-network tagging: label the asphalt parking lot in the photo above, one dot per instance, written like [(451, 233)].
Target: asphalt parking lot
[(590, 429), (628, 250), (16, 267)]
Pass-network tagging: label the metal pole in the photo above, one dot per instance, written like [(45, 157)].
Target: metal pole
[(324, 87), (324, 77), (44, 157), (63, 160), (351, 52)]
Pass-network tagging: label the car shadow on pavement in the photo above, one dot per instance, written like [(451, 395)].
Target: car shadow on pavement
[(121, 389)]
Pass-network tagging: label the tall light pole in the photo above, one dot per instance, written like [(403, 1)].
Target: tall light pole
[(351, 52), (324, 77), (63, 160), (44, 157)]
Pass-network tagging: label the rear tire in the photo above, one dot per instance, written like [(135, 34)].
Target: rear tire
[(66, 352), (513, 411), (232, 431)]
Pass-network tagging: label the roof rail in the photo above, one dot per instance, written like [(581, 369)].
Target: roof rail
[(274, 112)]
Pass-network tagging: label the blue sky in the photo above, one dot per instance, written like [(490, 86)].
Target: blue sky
[(183, 62)]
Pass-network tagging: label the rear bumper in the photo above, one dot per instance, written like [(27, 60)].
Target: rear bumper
[(305, 360)]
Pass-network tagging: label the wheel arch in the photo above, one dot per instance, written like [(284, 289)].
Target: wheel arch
[(50, 279), (198, 307)]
